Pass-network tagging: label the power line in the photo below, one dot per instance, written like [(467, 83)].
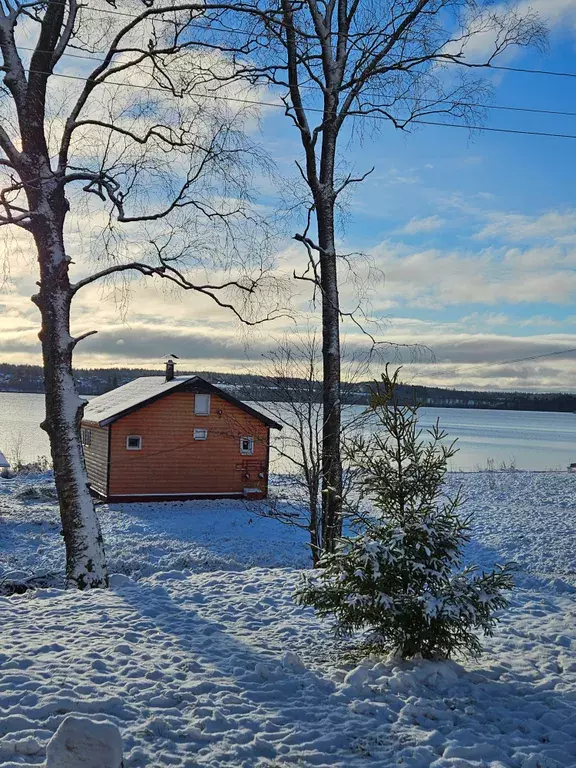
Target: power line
[(318, 110), (498, 107), (523, 70), (479, 366), (484, 128), (236, 31)]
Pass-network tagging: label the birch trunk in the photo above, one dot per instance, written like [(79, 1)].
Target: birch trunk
[(331, 392), (85, 556), (331, 364)]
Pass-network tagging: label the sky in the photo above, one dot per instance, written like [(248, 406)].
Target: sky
[(473, 236)]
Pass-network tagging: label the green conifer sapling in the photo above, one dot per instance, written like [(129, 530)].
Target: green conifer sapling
[(399, 578)]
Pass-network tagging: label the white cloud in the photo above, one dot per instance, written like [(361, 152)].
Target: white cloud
[(474, 360), (490, 319), (434, 278), (554, 13), (515, 227), (417, 226)]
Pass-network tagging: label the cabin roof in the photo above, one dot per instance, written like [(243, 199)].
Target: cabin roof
[(119, 402)]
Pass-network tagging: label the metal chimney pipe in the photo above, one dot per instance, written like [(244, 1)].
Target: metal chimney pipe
[(169, 370)]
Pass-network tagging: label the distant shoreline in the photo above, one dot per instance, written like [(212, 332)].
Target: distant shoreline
[(444, 406)]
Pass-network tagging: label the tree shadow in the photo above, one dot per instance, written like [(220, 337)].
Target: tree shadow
[(236, 684), (229, 676)]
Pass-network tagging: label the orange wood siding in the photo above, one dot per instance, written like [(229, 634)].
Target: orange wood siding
[(96, 458), (171, 461)]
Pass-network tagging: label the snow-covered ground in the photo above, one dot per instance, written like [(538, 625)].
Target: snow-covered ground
[(200, 657)]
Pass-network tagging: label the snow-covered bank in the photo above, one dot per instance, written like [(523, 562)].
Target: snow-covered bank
[(201, 657), (142, 539), (529, 517)]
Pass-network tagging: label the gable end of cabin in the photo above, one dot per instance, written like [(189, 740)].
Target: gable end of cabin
[(96, 446)]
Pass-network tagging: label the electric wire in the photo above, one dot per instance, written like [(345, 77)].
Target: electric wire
[(259, 103), (481, 366), (497, 107)]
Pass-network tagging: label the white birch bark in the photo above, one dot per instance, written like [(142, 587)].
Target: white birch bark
[(85, 556)]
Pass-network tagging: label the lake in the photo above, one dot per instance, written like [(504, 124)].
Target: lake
[(527, 439)]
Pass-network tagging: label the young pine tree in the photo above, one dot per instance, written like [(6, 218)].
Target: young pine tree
[(399, 578)]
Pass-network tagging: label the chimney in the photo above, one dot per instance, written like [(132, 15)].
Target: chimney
[(169, 369)]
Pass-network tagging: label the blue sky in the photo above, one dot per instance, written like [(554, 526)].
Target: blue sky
[(475, 236)]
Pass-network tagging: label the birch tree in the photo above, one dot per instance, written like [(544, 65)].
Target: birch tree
[(347, 65), (129, 127)]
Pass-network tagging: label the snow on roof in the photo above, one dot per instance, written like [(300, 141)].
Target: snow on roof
[(106, 407), (4, 464)]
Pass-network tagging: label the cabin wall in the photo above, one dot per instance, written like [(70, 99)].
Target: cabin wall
[(96, 458), (172, 462)]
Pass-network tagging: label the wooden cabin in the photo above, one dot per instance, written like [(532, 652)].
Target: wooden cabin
[(166, 438)]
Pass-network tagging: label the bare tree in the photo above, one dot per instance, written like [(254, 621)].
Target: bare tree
[(290, 391), (385, 61), (163, 170)]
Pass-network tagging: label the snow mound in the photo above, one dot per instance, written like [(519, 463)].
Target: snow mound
[(82, 743), (38, 493)]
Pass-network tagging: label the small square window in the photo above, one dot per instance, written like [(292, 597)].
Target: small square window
[(133, 443), (86, 435), (200, 434), (202, 405), (247, 446)]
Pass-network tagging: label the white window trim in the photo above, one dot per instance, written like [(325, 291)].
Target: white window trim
[(200, 434), (250, 451), (86, 437), (131, 447), (198, 412)]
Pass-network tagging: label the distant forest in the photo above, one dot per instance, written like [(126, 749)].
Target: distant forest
[(96, 381)]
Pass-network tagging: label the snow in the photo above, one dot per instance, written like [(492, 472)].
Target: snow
[(200, 657), (142, 539), (106, 408), (4, 464), (100, 409), (81, 743)]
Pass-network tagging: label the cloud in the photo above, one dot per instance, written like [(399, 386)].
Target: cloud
[(490, 319), (144, 342), (476, 360), (418, 226), (515, 227), (553, 13), (434, 278)]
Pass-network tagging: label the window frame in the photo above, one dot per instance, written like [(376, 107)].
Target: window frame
[(249, 451), (86, 437), (198, 430), (132, 447), (208, 401)]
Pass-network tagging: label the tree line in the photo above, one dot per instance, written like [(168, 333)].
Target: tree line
[(97, 381)]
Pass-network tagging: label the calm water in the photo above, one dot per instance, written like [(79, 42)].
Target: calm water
[(529, 440)]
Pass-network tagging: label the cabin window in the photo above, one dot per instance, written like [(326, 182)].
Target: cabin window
[(133, 443), (200, 434), (247, 446), (86, 435), (202, 405)]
